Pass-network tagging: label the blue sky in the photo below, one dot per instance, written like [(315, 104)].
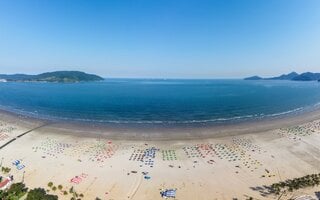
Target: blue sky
[(160, 39)]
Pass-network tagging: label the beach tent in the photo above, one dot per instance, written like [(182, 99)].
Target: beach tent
[(4, 184), (305, 197), (18, 164), (170, 193)]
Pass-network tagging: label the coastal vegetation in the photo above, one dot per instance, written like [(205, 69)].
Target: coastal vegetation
[(294, 184), (5, 170), (15, 192), (19, 191), (58, 76), (40, 194)]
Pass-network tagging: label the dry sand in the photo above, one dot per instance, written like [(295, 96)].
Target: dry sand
[(111, 167)]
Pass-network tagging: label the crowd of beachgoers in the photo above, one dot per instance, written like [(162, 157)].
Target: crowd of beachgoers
[(231, 167)]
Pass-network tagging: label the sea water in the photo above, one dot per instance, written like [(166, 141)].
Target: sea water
[(155, 101)]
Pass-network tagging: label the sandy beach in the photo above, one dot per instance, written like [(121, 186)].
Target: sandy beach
[(159, 100), (233, 162)]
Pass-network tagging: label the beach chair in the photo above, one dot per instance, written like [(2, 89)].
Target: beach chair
[(83, 175)]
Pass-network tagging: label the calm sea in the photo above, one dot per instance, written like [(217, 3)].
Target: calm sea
[(160, 101)]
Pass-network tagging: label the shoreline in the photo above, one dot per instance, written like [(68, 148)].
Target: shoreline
[(151, 132)]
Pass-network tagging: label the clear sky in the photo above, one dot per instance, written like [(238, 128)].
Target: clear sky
[(160, 38)]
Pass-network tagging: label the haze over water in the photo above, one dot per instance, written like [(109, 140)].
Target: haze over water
[(160, 101)]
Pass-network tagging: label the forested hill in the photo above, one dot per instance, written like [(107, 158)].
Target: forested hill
[(58, 76)]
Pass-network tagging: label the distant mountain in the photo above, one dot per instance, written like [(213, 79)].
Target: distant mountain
[(15, 77), (308, 76), (253, 78), (293, 76), (58, 76), (289, 76)]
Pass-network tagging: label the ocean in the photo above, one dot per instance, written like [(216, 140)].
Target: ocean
[(155, 101)]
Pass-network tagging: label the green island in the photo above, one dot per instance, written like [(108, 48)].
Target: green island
[(55, 77)]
